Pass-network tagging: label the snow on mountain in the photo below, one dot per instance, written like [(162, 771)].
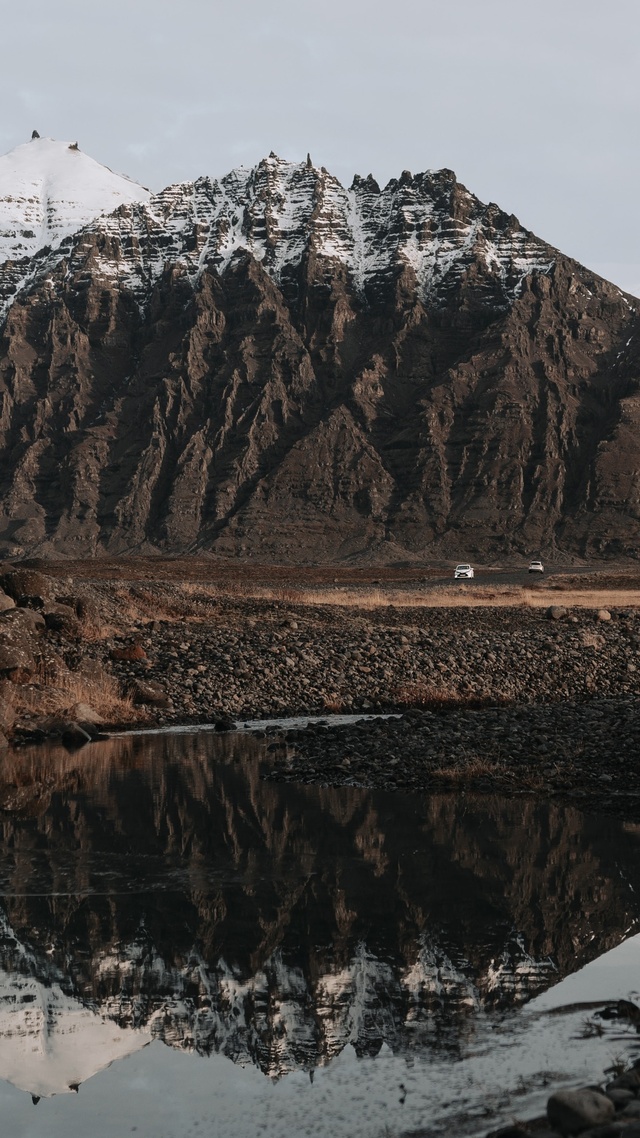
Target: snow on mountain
[(50, 1043), (278, 1021), (49, 190), (427, 226), (282, 212)]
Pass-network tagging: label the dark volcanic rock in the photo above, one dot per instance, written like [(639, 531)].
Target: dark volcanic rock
[(275, 365)]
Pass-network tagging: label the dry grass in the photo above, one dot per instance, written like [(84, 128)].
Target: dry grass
[(440, 596), (432, 697), (480, 767), (196, 600), (591, 639), (475, 767), (335, 705), (57, 692)]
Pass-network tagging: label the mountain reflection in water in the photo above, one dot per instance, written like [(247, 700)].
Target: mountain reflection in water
[(158, 885)]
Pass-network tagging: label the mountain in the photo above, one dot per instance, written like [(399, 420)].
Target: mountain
[(271, 364), (48, 191)]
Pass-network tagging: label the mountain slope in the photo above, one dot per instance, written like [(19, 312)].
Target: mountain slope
[(272, 364), (49, 190)]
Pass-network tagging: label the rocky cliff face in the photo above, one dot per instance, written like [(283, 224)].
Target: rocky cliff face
[(277, 366)]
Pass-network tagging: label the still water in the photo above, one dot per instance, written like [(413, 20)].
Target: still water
[(186, 949)]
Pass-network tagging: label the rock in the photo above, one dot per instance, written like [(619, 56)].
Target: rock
[(26, 585), (25, 619), (612, 1130), (224, 723), (17, 664), (603, 614), (628, 1080), (84, 607), (129, 652), (62, 619), (556, 612), (74, 736), (619, 1096), (84, 714), (6, 602), (149, 692), (571, 1112), (631, 1110)]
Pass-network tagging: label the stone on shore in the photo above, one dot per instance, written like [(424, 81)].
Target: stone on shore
[(74, 736), (571, 1112), (224, 723), (84, 713), (149, 692)]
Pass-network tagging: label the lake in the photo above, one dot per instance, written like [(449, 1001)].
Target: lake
[(189, 949)]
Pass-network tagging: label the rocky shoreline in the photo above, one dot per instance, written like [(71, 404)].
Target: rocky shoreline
[(610, 1109), (505, 699), (586, 752)]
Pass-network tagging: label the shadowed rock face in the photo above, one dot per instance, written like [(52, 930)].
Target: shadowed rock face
[(274, 365), (160, 882)]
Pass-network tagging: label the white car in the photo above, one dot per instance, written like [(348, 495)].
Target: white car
[(536, 567), (463, 572)]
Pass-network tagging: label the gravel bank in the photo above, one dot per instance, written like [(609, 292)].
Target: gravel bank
[(589, 752), (251, 658), (495, 698)]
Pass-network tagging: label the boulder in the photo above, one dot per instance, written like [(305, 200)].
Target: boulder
[(149, 692), (84, 607), (25, 620), (557, 612), (571, 1112), (27, 586), (62, 619), (74, 736), (619, 1096), (83, 713), (6, 602), (129, 652), (603, 614), (631, 1110), (224, 723), (629, 1080), (17, 663)]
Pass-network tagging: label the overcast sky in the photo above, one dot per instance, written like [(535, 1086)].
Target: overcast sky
[(535, 105)]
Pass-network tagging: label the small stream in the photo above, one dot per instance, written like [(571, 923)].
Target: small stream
[(188, 949)]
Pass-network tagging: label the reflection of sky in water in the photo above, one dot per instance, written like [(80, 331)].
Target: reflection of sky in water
[(404, 926)]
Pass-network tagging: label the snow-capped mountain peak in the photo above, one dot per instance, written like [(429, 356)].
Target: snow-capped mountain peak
[(50, 189)]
